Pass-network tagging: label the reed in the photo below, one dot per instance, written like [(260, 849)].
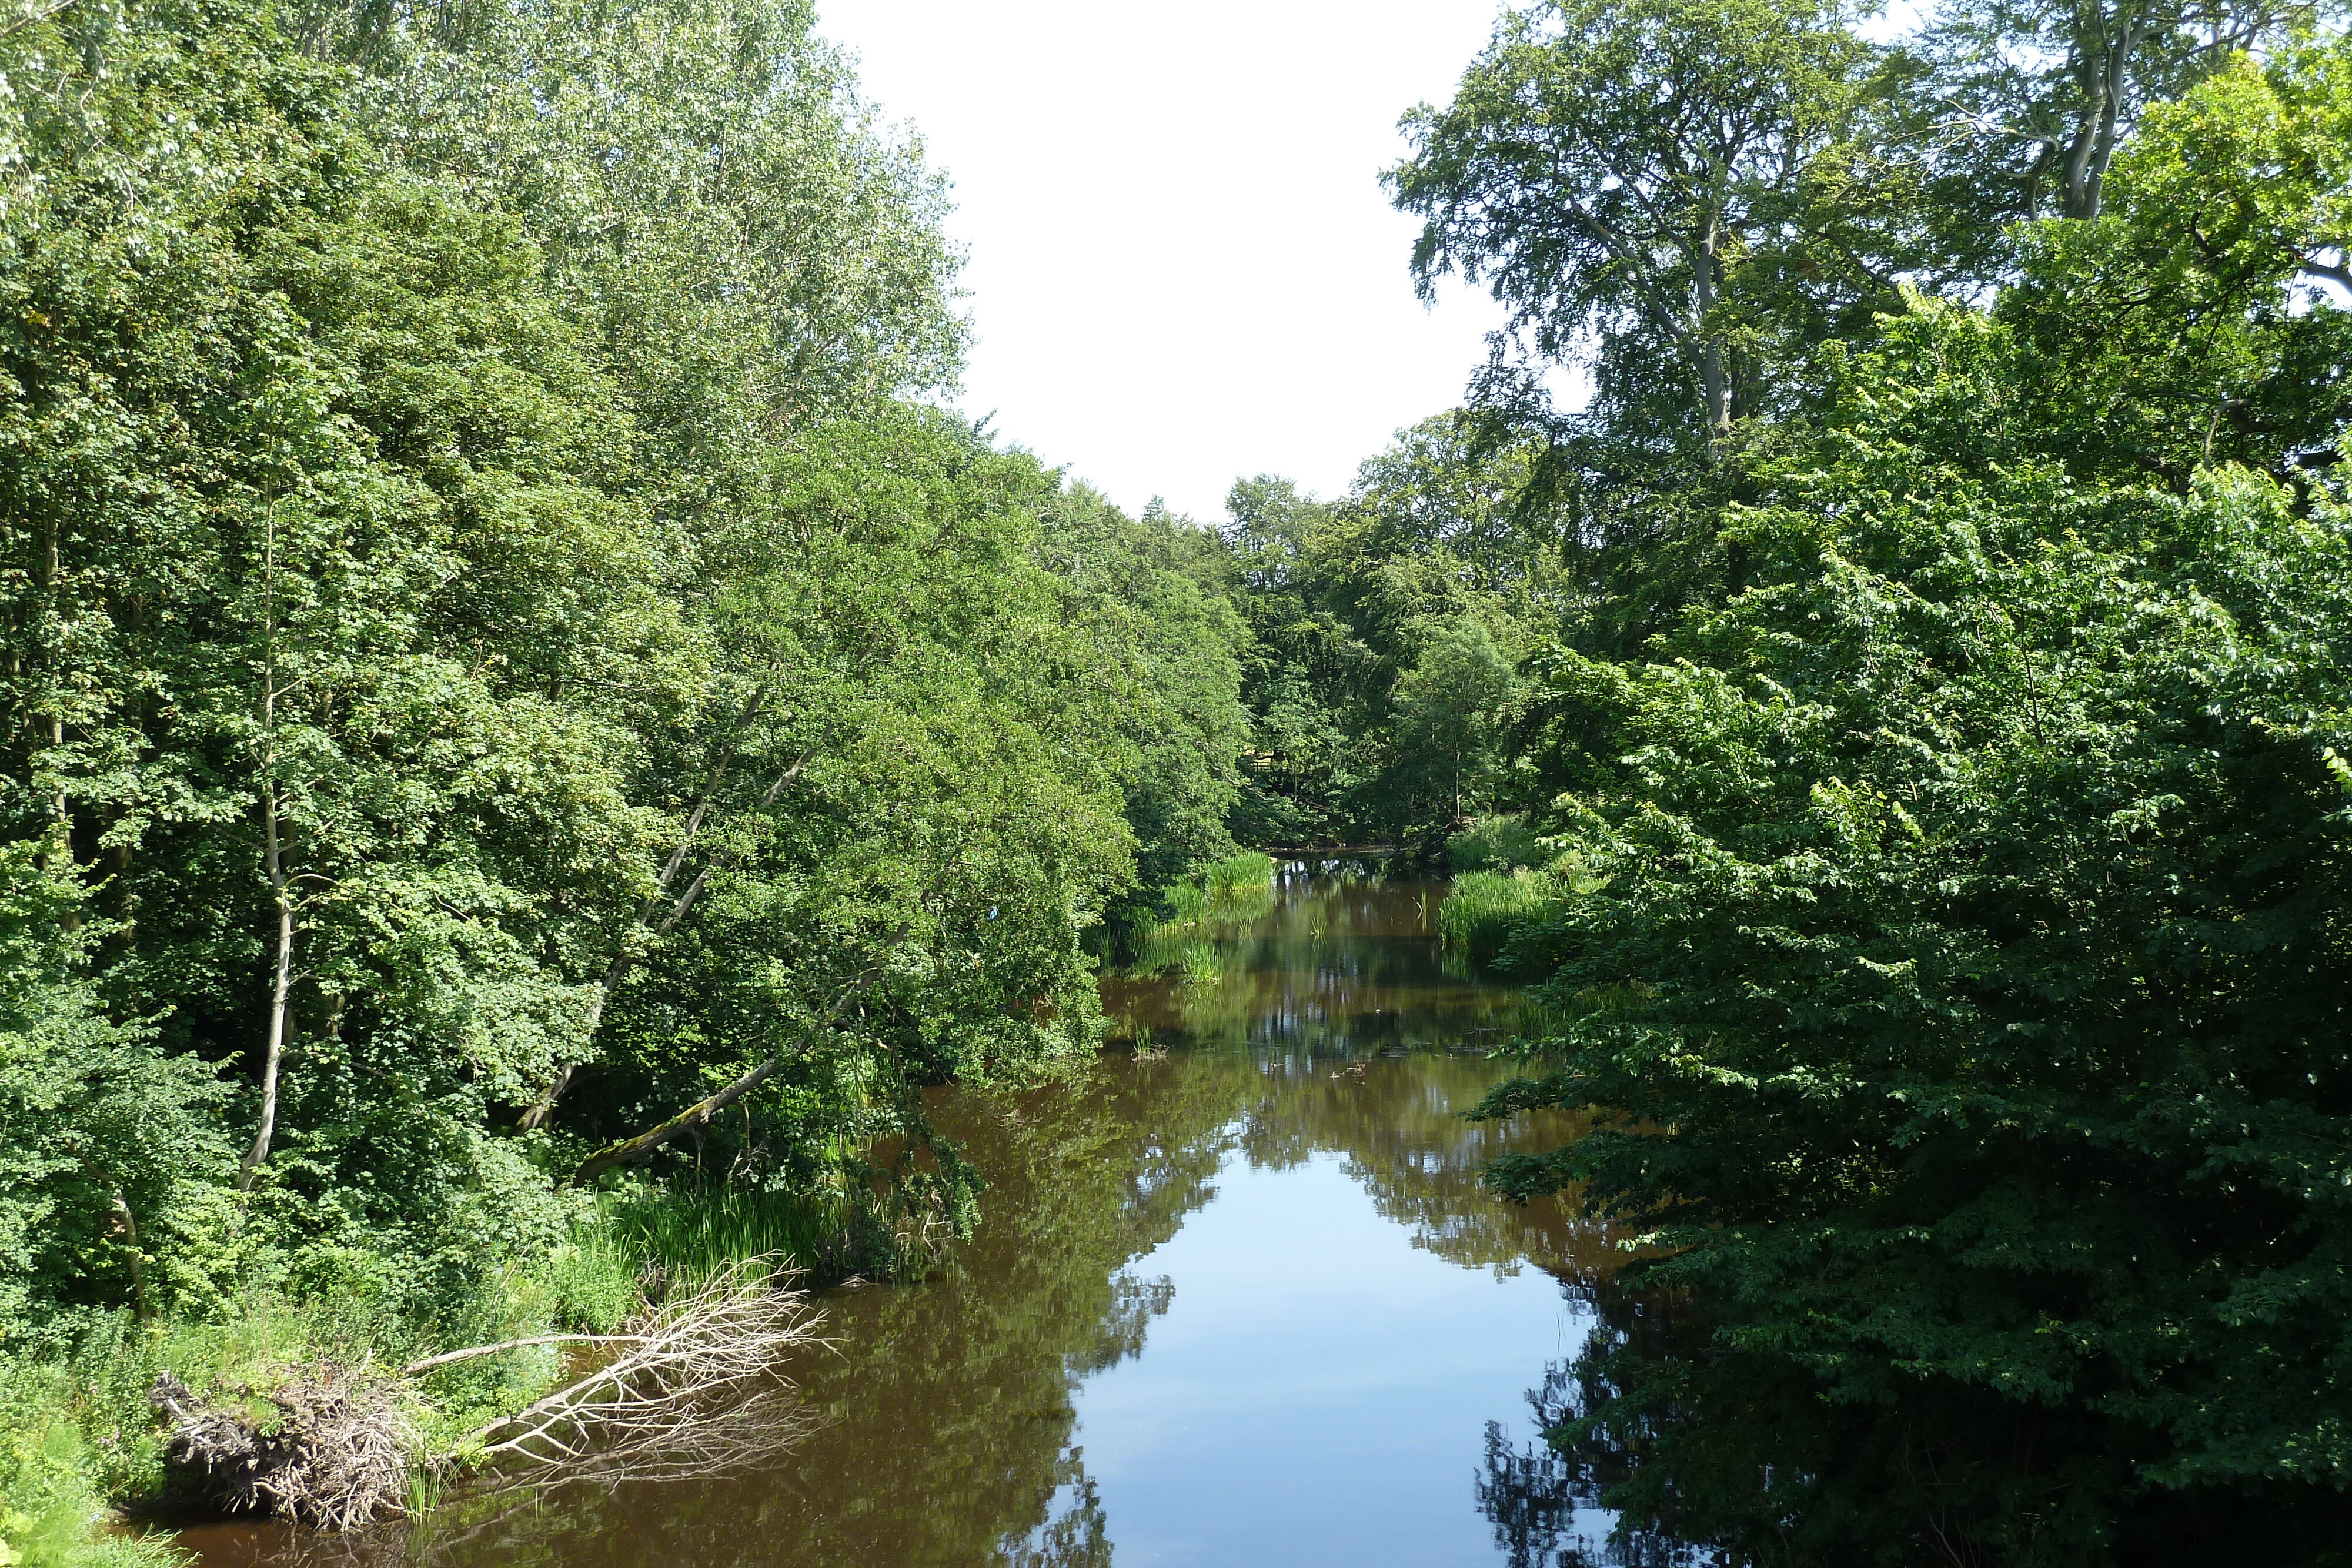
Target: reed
[(1243, 869), (693, 1234), (1495, 844), (1237, 889), (1485, 909)]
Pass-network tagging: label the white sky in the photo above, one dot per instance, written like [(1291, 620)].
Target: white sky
[(1182, 268)]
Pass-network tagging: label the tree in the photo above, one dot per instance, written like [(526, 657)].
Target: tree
[(1646, 175), (1449, 714), (2188, 325), (2033, 100), (800, 272), (1966, 972)]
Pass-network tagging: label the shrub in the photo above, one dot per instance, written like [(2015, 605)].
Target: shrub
[(1495, 844)]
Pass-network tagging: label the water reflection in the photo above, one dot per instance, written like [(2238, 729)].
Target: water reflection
[(1543, 1503), (1335, 959), (1239, 1285)]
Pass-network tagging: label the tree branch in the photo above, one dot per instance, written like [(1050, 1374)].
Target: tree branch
[(38, 17), (451, 1357), (700, 1113)]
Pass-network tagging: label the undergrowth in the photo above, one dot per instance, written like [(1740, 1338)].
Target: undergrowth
[(79, 1442)]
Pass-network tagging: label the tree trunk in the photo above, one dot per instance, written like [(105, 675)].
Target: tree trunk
[(275, 850), (142, 1305), (1712, 376), (2104, 75), (695, 1117)]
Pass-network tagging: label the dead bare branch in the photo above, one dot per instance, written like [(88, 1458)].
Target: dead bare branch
[(696, 1388), (449, 1358), (698, 1391), (32, 18)]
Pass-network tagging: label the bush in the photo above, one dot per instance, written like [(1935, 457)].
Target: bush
[(1495, 844), (49, 1505)]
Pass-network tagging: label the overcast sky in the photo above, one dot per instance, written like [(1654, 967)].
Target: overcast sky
[(1182, 269)]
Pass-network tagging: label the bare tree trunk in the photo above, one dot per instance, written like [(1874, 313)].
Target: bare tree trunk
[(2104, 72), (274, 848), (1717, 384), (2117, 83), (142, 1305)]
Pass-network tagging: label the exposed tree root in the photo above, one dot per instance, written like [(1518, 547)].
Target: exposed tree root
[(337, 1456), (695, 1389)]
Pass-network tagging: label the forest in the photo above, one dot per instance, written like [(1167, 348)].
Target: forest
[(537, 737)]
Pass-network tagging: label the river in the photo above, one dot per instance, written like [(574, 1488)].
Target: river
[(1238, 1299)]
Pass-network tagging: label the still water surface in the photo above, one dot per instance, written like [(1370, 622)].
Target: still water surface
[(1238, 1299)]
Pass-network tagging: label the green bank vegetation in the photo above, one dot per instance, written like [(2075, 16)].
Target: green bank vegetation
[(1933, 732), (499, 655)]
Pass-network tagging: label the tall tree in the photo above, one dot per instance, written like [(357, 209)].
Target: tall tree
[(2032, 99), (1645, 175)]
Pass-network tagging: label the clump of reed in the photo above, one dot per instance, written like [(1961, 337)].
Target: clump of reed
[(1238, 886), (1500, 843), (1241, 869), (691, 1234), (1485, 910)]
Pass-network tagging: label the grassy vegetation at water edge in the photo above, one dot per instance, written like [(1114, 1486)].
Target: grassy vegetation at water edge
[(1217, 886), (1484, 910), (1496, 843), (79, 1438)]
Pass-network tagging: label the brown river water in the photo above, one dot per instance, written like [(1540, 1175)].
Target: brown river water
[(1236, 1298)]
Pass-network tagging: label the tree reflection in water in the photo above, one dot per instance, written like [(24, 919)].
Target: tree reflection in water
[(1545, 1501)]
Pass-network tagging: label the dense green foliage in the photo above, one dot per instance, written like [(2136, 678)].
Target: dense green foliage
[(499, 652), (496, 653), (1945, 892)]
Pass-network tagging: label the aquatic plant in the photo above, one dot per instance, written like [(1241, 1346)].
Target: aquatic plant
[(1485, 909), (690, 1235), (1245, 869), (1496, 843)]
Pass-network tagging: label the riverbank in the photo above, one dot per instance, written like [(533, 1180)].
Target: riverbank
[(85, 1478), (1271, 1225)]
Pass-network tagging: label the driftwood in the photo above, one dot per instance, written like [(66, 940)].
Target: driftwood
[(697, 1390), (694, 1387)]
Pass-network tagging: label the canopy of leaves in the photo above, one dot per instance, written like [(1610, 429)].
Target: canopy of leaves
[(489, 641), (1962, 944)]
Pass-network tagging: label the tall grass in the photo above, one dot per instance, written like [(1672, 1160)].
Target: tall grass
[(1239, 887), (51, 1465), (1485, 909), (691, 1234), (1243, 869), (1495, 844)]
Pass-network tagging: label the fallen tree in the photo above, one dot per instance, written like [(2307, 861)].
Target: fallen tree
[(692, 1388), (695, 1390)]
